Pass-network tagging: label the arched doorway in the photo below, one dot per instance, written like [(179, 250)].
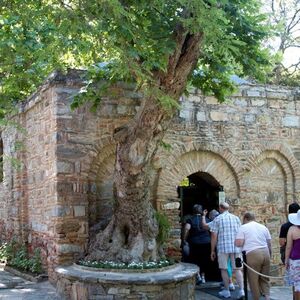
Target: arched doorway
[(200, 188)]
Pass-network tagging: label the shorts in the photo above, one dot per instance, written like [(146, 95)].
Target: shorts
[(223, 260)]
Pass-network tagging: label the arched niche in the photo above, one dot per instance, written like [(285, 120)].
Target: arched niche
[(101, 187), (268, 187)]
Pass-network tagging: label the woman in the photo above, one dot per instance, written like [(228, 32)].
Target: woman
[(292, 254), (199, 242)]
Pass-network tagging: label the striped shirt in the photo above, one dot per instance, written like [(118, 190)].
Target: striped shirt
[(226, 226)]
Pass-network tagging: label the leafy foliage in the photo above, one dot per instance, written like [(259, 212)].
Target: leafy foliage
[(126, 40), (17, 256), (164, 227), (284, 15), (6, 252)]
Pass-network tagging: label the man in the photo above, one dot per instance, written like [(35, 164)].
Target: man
[(223, 231), (255, 240), (293, 208)]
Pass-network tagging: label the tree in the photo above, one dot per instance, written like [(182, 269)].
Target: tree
[(285, 17), (162, 47)]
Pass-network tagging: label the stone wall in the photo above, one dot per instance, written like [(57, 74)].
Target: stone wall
[(63, 190), (174, 282), (249, 145), (29, 191)]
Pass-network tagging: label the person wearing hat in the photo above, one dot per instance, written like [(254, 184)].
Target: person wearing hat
[(293, 208), (292, 254)]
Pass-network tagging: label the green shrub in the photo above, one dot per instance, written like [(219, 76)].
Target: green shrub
[(35, 265), (3, 253), (20, 260), (8, 250), (164, 227), (16, 255)]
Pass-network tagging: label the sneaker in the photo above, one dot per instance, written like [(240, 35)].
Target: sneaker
[(225, 294), (240, 294), (231, 286)]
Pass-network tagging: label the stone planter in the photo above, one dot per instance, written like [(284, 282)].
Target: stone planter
[(176, 282)]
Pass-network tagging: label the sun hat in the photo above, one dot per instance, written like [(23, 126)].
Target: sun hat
[(295, 218)]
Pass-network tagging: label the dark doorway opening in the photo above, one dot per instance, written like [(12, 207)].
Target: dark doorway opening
[(200, 188)]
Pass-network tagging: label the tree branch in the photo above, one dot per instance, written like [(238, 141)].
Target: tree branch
[(181, 62)]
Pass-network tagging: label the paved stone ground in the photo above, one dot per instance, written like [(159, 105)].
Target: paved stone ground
[(15, 288), (277, 293)]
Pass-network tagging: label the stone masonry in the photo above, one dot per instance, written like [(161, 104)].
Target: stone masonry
[(58, 169), (175, 282)]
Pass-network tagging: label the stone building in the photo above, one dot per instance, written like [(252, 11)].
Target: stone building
[(246, 150)]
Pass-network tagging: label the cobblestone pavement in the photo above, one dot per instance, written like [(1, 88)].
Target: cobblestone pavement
[(277, 293), (15, 288)]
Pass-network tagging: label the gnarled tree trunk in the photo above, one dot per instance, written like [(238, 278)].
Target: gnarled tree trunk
[(132, 232)]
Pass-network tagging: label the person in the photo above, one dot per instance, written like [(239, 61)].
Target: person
[(198, 239), (223, 231), (212, 215), (255, 240), (293, 208), (292, 254)]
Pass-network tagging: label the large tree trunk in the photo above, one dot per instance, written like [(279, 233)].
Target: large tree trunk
[(132, 232)]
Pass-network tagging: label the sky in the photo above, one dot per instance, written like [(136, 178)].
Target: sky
[(291, 9)]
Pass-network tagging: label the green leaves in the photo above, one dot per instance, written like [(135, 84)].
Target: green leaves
[(164, 227), (136, 39)]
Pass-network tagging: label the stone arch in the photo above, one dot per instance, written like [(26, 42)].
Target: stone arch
[(100, 181), (197, 160), (269, 185), (284, 157)]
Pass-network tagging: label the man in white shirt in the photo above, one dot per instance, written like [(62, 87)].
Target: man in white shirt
[(255, 240)]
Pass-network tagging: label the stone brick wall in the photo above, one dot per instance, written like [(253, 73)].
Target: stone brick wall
[(63, 190), (249, 145), (174, 282)]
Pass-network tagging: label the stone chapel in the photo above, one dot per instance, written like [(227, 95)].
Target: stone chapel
[(56, 178)]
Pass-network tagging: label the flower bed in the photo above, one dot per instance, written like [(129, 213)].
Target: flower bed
[(122, 266)]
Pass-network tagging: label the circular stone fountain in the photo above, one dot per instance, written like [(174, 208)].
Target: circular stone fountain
[(173, 282)]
